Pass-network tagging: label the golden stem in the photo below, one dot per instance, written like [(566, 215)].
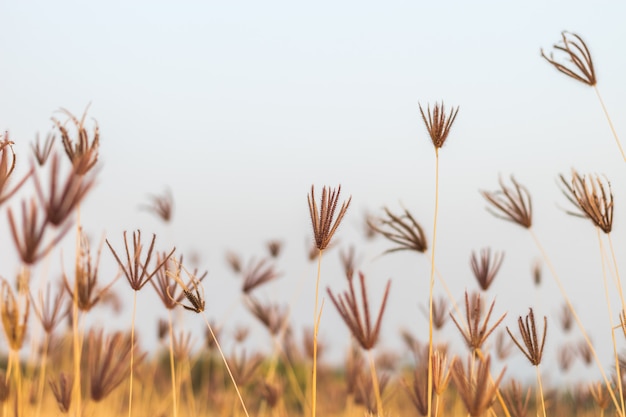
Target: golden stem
[(315, 329), (172, 369), (132, 354), (42, 375), (608, 118), (608, 304), (543, 405), (232, 378), (576, 318), (431, 288), (375, 386)]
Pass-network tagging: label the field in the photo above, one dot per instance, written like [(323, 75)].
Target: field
[(417, 341)]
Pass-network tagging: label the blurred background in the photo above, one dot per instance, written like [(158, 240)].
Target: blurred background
[(239, 107)]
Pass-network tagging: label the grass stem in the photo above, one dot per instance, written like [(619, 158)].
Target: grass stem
[(232, 378), (608, 118), (546, 258), (315, 330), (431, 288)]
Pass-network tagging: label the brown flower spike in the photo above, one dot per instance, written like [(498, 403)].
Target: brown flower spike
[(402, 229), (485, 268), (79, 151), (438, 124), (528, 329), (358, 322), (323, 218), (475, 336), (475, 387), (511, 204), (580, 65), (592, 197)]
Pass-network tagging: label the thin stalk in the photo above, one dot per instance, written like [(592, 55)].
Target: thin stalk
[(232, 378), (42, 373), (437, 398), (375, 386), (315, 329), (608, 304), (75, 316), (608, 118), (617, 277), (15, 356), (132, 354), (543, 405), (577, 319), (172, 368), (431, 288)]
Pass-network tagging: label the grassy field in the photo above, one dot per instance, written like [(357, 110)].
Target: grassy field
[(58, 363)]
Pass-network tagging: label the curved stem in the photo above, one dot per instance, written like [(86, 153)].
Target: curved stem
[(577, 319), (608, 305), (232, 378), (608, 118), (172, 369)]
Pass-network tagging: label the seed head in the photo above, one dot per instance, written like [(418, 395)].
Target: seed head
[(533, 348), (323, 217), (475, 334), (402, 229), (578, 64), (511, 204), (485, 268), (437, 123), (358, 322), (592, 197)]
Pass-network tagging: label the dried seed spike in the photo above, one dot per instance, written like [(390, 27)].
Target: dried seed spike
[(61, 203), (418, 390), (401, 229), (592, 197), (323, 218), (87, 293), (135, 271), (532, 349), (50, 313), (358, 319), (511, 204), (108, 362), (515, 399), (161, 205), (486, 268), (576, 52), (83, 154), (476, 389), (29, 242), (194, 297), (474, 335), (437, 124), (7, 165), (257, 274), (62, 390), (14, 316), (272, 315), (42, 152)]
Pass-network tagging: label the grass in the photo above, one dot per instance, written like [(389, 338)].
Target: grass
[(84, 369)]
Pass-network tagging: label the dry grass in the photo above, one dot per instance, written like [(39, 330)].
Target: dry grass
[(85, 370)]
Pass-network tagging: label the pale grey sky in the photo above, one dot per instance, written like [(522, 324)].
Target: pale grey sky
[(239, 107)]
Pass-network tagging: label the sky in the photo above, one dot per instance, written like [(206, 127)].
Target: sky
[(239, 107)]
